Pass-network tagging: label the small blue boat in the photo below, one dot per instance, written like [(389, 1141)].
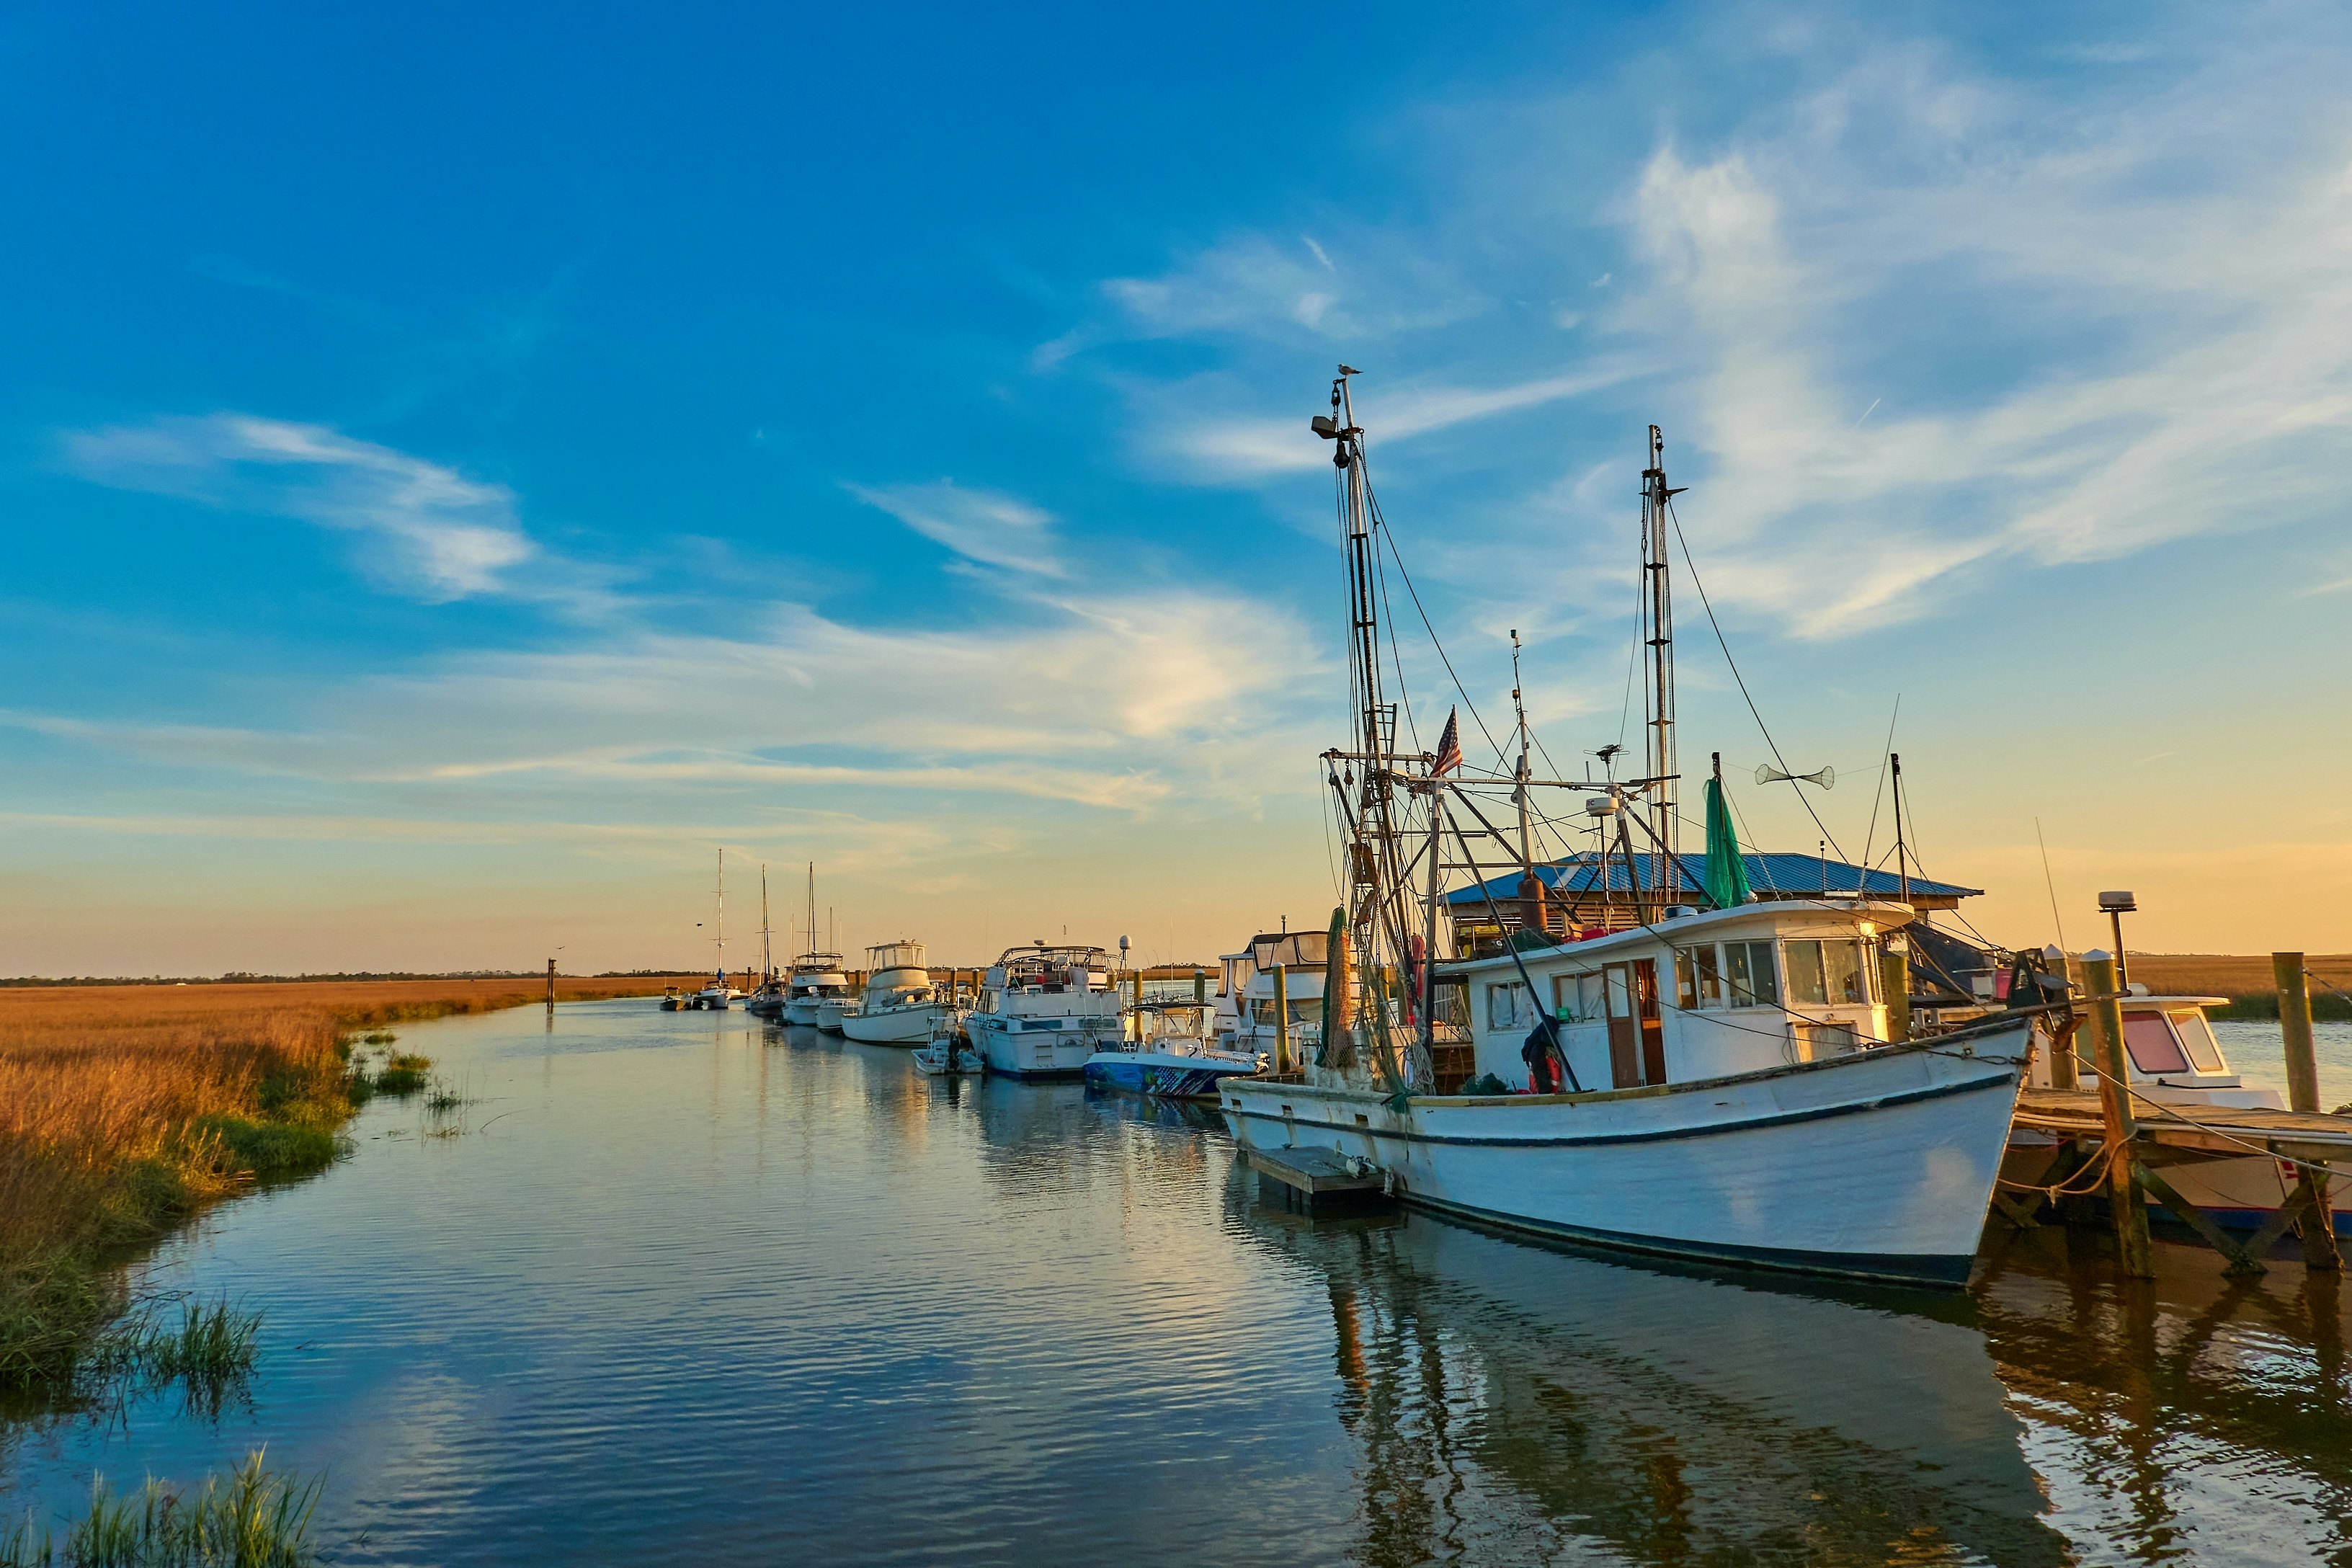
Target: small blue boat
[(1167, 1075)]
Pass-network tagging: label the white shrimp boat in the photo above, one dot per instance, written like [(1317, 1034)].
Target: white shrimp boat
[(1759, 1115), (1044, 1009), (900, 1005)]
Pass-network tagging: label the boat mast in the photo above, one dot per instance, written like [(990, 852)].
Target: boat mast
[(1658, 634), (722, 917), (767, 947), (1376, 891), (1521, 777)]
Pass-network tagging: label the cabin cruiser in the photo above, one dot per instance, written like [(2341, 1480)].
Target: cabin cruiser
[(814, 979), (1044, 1009), (1168, 1053), (1244, 1020), (1717, 1083), (900, 1005), (2176, 1061)]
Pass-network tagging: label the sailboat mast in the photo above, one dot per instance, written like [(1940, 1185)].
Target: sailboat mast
[(722, 913), (1658, 633), (767, 947)]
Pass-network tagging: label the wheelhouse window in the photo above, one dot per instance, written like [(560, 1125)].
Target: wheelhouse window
[(2153, 1046), (2196, 1035), (1577, 998), (1748, 974), (1826, 973), (1698, 978), (1505, 1004)]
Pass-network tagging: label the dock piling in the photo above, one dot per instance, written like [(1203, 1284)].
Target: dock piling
[(2317, 1227), (1894, 985), (1281, 1017), (2114, 1107)]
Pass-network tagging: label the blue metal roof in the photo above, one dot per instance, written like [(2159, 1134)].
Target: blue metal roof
[(1580, 876)]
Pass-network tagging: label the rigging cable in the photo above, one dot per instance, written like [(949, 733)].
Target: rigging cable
[(1736, 675)]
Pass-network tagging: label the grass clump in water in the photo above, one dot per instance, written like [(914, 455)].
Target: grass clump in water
[(251, 1517), (402, 1074)]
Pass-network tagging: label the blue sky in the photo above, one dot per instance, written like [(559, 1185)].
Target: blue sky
[(460, 469)]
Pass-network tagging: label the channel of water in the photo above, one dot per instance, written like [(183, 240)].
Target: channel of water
[(676, 1286)]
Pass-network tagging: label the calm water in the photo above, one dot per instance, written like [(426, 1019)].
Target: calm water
[(679, 1287)]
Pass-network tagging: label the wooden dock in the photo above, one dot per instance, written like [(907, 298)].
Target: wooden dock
[(1319, 1180), (2315, 1136)]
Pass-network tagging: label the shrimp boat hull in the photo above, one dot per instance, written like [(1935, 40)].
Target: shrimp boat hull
[(1166, 1075), (895, 1025), (1879, 1164)]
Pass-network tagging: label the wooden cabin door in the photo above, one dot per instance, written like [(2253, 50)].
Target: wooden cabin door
[(1637, 1041), (1624, 1026), (1654, 1026)]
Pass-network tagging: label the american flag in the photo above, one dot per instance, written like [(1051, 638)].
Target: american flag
[(1449, 748)]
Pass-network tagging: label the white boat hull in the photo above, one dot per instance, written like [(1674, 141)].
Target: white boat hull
[(1035, 1047), (829, 1015), (894, 1026), (1878, 1164), (801, 1011)]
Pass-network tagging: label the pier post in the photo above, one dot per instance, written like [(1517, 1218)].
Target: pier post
[(2066, 1066), (1895, 987), (1281, 1017), (551, 1002), (1135, 984), (2115, 1105), (2317, 1228), (1200, 986)]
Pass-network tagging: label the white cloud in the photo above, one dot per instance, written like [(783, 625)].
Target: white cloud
[(431, 532), (1130, 702), (1220, 449), (983, 526)]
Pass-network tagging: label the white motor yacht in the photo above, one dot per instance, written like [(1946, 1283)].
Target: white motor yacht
[(1044, 1009), (814, 979), (900, 1005)]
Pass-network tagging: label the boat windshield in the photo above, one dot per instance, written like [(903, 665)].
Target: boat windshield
[(2153, 1046), (2197, 1035)]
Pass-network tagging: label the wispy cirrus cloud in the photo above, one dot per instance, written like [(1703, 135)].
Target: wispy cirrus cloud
[(425, 530), (1223, 451), (987, 527)]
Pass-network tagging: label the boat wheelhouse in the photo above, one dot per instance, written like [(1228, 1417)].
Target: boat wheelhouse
[(1244, 1021), (1044, 1009), (1698, 995)]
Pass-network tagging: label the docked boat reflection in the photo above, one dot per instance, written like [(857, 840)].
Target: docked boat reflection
[(1502, 1391)]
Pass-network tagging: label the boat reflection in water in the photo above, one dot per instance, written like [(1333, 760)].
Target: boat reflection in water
[(1505, 1398)]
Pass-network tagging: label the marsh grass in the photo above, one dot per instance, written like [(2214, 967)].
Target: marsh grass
[(251, 1517), (402, 1074)]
